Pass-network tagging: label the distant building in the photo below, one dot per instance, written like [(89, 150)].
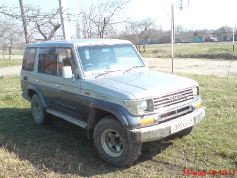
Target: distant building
[(224, 33)]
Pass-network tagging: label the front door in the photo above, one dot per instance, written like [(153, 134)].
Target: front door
[(66, 91)]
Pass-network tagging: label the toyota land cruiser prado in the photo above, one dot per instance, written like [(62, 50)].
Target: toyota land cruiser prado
[(104, 86)]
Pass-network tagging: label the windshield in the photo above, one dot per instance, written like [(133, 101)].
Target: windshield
[(106, 59)]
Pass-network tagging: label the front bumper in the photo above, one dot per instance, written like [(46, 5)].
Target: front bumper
[(162, 130)]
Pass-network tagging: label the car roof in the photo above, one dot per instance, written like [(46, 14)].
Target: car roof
[(78, 42)]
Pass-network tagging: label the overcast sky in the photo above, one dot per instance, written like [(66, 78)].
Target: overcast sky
[(197, 14)]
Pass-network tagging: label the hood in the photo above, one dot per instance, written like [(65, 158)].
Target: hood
[(145, 84)]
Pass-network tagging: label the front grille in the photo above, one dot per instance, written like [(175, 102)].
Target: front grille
[(173, 98), (175, 114)]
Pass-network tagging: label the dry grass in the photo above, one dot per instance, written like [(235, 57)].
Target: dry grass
[(61, 149), (10, 62), (220, 50)]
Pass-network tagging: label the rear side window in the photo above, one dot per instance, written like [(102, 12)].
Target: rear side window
[(47, 61), (46, 64), (29, 59)]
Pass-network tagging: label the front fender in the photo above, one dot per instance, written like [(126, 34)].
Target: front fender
[(118, 111)]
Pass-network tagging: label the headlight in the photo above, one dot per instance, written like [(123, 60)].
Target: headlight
[(195, 92), (138, 107)]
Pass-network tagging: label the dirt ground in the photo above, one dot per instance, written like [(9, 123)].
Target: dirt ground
[(10, 71), (222, 68)]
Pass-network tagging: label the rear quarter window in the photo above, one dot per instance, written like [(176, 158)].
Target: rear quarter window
[(29, 59)]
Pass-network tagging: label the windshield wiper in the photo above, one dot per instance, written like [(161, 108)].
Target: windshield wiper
[(106, 72), (131, 68)]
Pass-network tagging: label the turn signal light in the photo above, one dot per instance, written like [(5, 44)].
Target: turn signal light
[(147, 120), (198, 105)]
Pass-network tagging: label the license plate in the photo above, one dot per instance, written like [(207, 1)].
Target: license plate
[(181, 124)]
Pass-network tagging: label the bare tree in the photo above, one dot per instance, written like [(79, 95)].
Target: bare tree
[(139, 32), (42, 23), (36, 23), (10, 36), (99, 20), (24, 21)]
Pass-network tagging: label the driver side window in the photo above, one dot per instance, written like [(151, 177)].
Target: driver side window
[(64, 58)]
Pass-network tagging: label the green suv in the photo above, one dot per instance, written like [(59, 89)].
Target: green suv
[(104, 86)]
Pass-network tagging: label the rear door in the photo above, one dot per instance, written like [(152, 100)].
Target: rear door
[(46, 68)]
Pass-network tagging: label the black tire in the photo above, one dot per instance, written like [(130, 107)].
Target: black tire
[(112, 143), (37, 110)]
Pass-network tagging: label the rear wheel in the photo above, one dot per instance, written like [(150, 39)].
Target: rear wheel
[(112, 143), (37, 110)]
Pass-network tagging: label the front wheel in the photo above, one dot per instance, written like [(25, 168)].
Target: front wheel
[(112, 143)]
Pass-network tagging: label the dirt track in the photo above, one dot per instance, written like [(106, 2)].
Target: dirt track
[(10, 71), (194, 66), (220, 68)]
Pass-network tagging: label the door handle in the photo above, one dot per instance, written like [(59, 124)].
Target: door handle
[(25, 78)]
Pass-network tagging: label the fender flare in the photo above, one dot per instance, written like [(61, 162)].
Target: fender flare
[(117, 110), (113, 108), (38, 92)]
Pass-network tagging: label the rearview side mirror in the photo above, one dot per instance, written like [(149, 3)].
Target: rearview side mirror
[(67, 72)]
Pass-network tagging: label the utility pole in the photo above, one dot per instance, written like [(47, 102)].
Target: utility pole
[(172, 35), (173, 31), (78, 30), (64, 20), (233, 39), (24, 21)]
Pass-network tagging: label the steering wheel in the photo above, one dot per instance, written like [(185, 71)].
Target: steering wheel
[(88, 65)]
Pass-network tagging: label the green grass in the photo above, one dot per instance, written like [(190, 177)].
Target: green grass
[(61, 149), (220, 50), (10, 62)]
